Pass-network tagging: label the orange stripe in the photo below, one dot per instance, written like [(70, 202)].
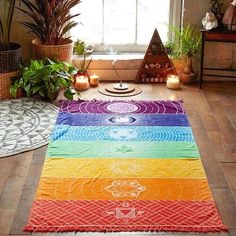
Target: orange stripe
[(124, 189)]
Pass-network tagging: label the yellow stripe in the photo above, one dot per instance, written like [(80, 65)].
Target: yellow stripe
[(122, 168)]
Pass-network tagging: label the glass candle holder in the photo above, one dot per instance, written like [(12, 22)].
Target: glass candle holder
[(81, 82), (173, 82), (94, 80)]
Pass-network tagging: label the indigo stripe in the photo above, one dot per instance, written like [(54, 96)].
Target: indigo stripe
[(122, 120)]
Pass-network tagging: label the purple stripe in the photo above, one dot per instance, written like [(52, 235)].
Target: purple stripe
[(134, 107), (121, 119)]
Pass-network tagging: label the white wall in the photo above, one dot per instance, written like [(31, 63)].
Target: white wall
[(194, 10), (20, 33), (217, 55)]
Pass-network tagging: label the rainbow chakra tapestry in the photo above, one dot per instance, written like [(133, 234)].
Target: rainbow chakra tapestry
[(123, 166)]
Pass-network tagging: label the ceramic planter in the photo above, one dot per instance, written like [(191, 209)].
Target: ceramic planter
[(187, 78), (179, 65)]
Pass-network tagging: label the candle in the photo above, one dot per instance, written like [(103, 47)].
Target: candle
[(94, 80), (173, 82), (81, 83)]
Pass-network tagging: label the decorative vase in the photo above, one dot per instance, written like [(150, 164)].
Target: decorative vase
[(10, 59), (178, 64), (187, 78), (188, 68), (61, 52), (230, 16)]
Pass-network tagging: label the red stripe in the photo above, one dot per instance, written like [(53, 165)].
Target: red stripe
[(111, 216)]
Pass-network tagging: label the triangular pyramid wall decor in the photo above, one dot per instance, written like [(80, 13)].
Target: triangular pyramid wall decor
[(156, 64)]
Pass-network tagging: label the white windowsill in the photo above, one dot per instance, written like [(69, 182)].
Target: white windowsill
[(127, 65), (123, 56)]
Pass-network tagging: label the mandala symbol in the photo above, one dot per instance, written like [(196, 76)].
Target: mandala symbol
[(123, 168), (123, 149), (123, 133), (122, 120), (120, 188), (122, 107), (125, 212)]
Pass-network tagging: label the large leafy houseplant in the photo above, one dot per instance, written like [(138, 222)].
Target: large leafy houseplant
[(6, 16), (45, 78), (10, 53), (50, 21)]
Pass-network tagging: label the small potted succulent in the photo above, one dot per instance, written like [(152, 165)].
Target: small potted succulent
[(50, 22), (44, 78)]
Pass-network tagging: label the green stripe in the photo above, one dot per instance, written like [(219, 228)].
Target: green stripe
[(104, 149)]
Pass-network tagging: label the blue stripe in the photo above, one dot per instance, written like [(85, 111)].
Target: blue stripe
[(122, 133), (122, 120)]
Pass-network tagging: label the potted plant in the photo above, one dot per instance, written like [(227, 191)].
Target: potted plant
[(186, 47), (80, 47), (168, 46), (82, 73), (45, 78), (51, 21), (10, 53)]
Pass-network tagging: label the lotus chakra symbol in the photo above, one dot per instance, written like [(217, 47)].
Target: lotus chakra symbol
[(120, 188)]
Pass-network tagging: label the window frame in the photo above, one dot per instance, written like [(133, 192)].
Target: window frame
[(175, 19)]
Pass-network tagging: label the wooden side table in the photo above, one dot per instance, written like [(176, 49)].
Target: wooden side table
[(218, 35)]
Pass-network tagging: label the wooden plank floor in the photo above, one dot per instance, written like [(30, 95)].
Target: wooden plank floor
[(212, 114)]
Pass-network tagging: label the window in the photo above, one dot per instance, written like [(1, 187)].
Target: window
[(124, 24)]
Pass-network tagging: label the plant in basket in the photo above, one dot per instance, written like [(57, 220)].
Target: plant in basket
[(45, 78), (50, 21), (10, 52)]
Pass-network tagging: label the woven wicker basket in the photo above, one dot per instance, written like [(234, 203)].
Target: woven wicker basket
[(10, 59), (5, 83), (62, 52)]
